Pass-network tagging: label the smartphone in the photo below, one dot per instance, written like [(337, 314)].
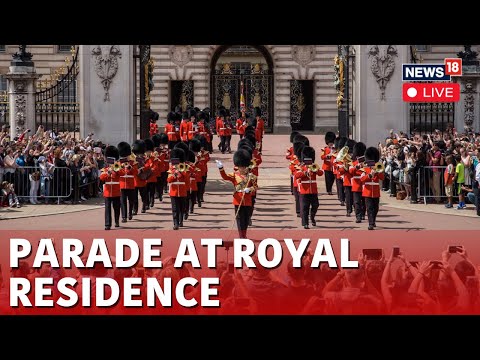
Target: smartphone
[(414, 264), (240, 301), (231, 268), (228, 244), (373, 254), (452, 249), (396, 251), (436, 264)]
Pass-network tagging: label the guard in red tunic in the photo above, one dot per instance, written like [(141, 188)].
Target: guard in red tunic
[(161, 152), (241, 124), (201, 159), (357, 186), (141, 177), (222, 114), (184, 126), (339, 144), (296, 165), (153, 124), (153, 163), (178, 176), (327, 164), (110, 176), (371, 185), (244, 183), (195, 175), (347, 179), (170, 129), (259, 128), (127, 181), (307, 183), (192, 124), (290, 155)]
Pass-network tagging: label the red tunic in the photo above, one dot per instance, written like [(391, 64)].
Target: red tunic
[(178, 182), (347, 177), (153, 129), (259, 130), (228, 128), (238, 181), (289, 154), (240, 126), (111, 186), (172, 134), (371, 185), (184, 125), (327, 165), (356, 174), (192, 130), (307, 181), (127, 180), (220, 127)]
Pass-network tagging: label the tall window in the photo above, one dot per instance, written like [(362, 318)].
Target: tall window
[(64, 48), (3, 83), (421, 48), (2, 48)]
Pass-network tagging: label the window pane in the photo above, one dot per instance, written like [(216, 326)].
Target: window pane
[(421, 48), (2, 48), (64, 48), (3, 83)]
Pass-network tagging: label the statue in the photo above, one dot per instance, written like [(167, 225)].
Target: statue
[(468, 56), (22, 57)]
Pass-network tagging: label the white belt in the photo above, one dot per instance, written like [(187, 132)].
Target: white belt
[(201, 132), (193, 179), (191, 131), (166, 160), (178, 183), (112, 183), (372, 183), (171, 132), (222, 128), (308, 182), (127, 176), (356, 177)]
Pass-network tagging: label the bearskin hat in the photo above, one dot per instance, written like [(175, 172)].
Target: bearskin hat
[(111, 152), (301, 138), (372, 154), (245, 142), (222, 113), (297, 149), (342, 142), (227, 112), (202, 115), (329, 137), (185, 115), (171, 116), (196, 109), (251, 139), (178, 109), (335, 142), (241, 158), (247, 148), (138, 147), (249, 128), (156, 116), (202, 139), (124, 149), (258, 111), (308, 153), (292, 135), (178, 116), (191, 156), (359, 150), (183, 146), (163, 138), (192, 113), (177, 153), (195, 145), (350, 143), (149, 145), (156, 140)]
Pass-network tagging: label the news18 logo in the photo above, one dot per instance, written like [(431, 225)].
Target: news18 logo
[(431, 92)]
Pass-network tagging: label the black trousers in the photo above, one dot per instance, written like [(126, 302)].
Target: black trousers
[(228, 139), (204, 183), (340, 190), (109, 201), (372, 205), (348, 198), (393, 187), (210, 147), (178, 206), (128, 195), (291, 184), (223, 143), (254, 198), (242, 219), (143, 195), (151, 193), (296, 194), (191, 200), (413, 186), (198, 193), (160, 185), (309, 207), (241, 136), (329, 180), (386, 183), (359, 205)]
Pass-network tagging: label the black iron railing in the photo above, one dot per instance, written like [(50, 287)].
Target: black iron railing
[(428, 117)]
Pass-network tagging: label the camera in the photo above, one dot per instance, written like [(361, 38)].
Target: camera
[(436, 264)]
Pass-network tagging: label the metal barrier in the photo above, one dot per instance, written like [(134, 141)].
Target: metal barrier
[(58, 185), (431, 183)]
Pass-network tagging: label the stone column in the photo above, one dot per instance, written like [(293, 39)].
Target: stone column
[(21, 96), (107, 92), (467, 109), (379, 103)]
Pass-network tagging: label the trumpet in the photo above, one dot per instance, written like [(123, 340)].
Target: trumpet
[(377, 167), (182, 167), (314, 167), (116, 166)]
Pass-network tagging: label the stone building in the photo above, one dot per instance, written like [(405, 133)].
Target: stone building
[(293, 85)]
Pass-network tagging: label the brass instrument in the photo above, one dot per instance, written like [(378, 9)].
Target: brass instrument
[(377, 167), (314, 167), (253, 164), (344, 156), (116, 166), (182, 167)]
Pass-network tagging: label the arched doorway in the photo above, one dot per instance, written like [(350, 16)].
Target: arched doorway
[(248, 65)]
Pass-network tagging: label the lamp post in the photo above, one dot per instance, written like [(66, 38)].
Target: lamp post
[(343, 109)]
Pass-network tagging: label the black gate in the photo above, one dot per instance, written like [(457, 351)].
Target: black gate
[(181, 92), (257, 90), (301, 104), (428, 117), (4, 109), (56, 99)]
